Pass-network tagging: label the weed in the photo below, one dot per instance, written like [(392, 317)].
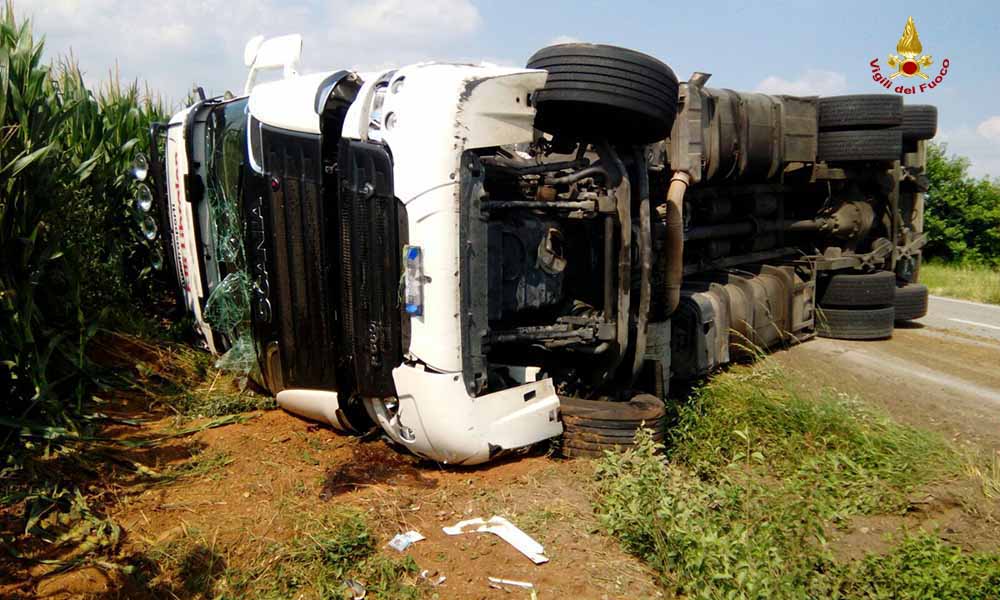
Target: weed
[(834, 448), (206, 464), (739, 504), (328, 551), (921, 567), (987, 473), (971, 282)]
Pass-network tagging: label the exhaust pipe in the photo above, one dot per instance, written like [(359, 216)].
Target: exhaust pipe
[(672, 214)]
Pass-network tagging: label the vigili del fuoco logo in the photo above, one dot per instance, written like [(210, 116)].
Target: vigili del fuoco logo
[(909, 63)]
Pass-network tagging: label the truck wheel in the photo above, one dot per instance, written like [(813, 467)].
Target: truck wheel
[(860, 111), (919, 122), (590, 426), (856, 289), (855, 323), (597, 91), (844, 146), (911, 301)]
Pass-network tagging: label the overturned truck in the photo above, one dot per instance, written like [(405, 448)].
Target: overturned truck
[(476, 258)]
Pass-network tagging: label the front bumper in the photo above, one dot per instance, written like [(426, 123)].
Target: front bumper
[(437, 419)]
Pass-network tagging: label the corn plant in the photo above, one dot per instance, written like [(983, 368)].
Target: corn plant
[(67, 237)]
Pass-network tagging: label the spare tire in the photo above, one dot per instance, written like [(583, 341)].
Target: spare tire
[(592, 426), (860, 111), (856, 289), (911, 301), (596, 91), (919, 122), (846, 146)]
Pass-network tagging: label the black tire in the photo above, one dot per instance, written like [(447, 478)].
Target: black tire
[(855, 323), (860, 111), (591, 426), (846, 146), (597, 91), (642, 408), (621, 436), (856, 289), (656, 429), (919, 122), (570, 452), (597, 446), (911, 301)]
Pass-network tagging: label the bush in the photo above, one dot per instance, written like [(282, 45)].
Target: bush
[(962, 213)]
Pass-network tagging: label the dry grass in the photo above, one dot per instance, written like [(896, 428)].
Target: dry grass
[(979, 284)]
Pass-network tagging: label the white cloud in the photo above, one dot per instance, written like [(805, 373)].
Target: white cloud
[(172, 45), (990, 129), (813, 82), (444, 18), (563, 39), (982, 150)]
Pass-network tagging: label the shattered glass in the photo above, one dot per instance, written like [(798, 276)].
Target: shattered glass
[(227, 309)]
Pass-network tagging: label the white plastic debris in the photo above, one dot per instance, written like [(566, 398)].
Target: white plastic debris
[(432, 578), (402, 541), (511, 582), (507, 531)]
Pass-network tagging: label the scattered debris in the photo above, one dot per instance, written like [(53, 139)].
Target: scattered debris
[(358, 591), (507, 531), (402, 541), (521, 584), (432, 578)]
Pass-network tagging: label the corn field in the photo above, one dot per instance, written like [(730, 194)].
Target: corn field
[(71, 255)]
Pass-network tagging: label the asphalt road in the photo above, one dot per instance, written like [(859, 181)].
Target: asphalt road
[(971, 318), (941, 372)]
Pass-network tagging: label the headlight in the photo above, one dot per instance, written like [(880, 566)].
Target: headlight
[(143, 198), (157, 261), (148, 227), (140, 168)]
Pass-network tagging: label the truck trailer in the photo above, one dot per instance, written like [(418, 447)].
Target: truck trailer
[(477, 258)]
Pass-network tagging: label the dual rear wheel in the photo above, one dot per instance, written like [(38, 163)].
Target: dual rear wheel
[(866, 306)]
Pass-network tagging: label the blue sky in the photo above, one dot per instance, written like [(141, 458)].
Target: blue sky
[(793, 47)]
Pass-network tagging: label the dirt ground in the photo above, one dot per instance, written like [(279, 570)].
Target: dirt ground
[(283, 468), (274, 468)]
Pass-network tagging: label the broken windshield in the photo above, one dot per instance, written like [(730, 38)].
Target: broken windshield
[(228, 305)]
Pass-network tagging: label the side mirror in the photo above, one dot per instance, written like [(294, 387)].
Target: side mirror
[(283, 52), (250, 51)]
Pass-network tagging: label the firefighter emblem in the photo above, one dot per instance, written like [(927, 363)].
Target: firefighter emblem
[(909, 60)]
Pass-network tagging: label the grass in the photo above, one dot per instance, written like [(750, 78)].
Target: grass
[(330, 552), (741, 502), (976, 283)]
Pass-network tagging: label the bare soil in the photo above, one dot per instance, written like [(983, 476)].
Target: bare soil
[(283, 468)]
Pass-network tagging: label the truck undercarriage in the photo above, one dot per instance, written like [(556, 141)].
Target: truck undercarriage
[(477, 259)]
